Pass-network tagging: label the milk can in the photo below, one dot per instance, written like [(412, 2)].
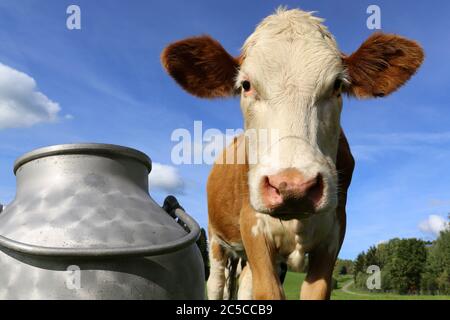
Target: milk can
[(83, 226)]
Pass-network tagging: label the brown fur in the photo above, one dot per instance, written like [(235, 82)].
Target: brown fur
[(201, 66), (261, 255), (317, 284), (227, 192), (345, 164), (231, 218), (382, 64)]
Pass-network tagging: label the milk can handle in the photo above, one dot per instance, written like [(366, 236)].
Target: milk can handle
[(189, 224)]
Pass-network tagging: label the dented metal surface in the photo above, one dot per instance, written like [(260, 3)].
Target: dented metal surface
[(84, 211)]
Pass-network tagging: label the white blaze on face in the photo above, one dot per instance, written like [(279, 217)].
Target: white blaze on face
[(292, 63)]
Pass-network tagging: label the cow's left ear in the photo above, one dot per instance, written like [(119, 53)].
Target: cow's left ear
[(382, 64), (202, 67)]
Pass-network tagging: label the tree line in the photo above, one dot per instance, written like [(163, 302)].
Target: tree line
[(408, 266)]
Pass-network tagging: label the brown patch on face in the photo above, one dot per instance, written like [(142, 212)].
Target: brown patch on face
[(382, 64), (201, 66)]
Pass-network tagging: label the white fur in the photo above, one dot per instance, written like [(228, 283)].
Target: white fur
[(245, 291), (293, 238), (260, 226), (292, 62), (216, 281)]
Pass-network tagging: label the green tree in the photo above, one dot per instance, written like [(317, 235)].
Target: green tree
[(343, 267), (371, 257), (443, 282), (407, 265), (385, 252), (386, 279), (435, 278), (343, 270), (359, 265)]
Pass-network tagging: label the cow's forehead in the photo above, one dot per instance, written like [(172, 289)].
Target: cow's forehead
[(289, 43), (290, 25)]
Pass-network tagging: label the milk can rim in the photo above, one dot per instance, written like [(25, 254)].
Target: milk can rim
[(83, 148)]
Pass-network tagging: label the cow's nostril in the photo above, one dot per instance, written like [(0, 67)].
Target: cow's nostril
[(271, 193), (270, 186), (315, 191)]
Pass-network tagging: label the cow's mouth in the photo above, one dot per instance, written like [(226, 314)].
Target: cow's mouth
[(291, 216), (293, 209)]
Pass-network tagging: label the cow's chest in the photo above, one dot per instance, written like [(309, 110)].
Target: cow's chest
[(294, 238)]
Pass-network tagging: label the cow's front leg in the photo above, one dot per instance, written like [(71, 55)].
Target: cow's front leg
[(317, 284), (245, 284), (218, 262), (318, 281), (261, 258)]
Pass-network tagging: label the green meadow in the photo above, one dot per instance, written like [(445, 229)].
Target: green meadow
[(346, 291)]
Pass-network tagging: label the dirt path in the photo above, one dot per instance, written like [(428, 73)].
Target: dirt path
[(345, 288)]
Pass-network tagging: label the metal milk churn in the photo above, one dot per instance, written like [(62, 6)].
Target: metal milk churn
[(83, 226)]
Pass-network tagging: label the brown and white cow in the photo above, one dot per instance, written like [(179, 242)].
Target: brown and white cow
[(290, 76)]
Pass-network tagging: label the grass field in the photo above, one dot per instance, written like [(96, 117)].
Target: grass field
[(294, 280)]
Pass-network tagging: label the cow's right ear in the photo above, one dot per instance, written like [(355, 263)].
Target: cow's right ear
[(202, 67), (382, 64)]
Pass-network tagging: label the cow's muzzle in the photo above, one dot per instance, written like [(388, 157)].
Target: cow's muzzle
[(290, 194)]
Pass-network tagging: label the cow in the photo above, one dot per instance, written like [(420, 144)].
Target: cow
[(290, 202)]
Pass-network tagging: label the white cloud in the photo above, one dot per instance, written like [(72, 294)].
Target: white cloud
[(165, 178), (434, 225), (21, 105)]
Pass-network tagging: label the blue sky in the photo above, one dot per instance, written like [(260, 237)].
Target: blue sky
[(109, 87)]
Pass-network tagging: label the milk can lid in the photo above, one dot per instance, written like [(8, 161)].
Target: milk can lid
[(83, 148)]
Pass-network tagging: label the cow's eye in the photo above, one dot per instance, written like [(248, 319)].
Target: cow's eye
[(337, 86), (246, 85)]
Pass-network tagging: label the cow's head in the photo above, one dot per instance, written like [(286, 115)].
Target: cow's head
[(290, 77)]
